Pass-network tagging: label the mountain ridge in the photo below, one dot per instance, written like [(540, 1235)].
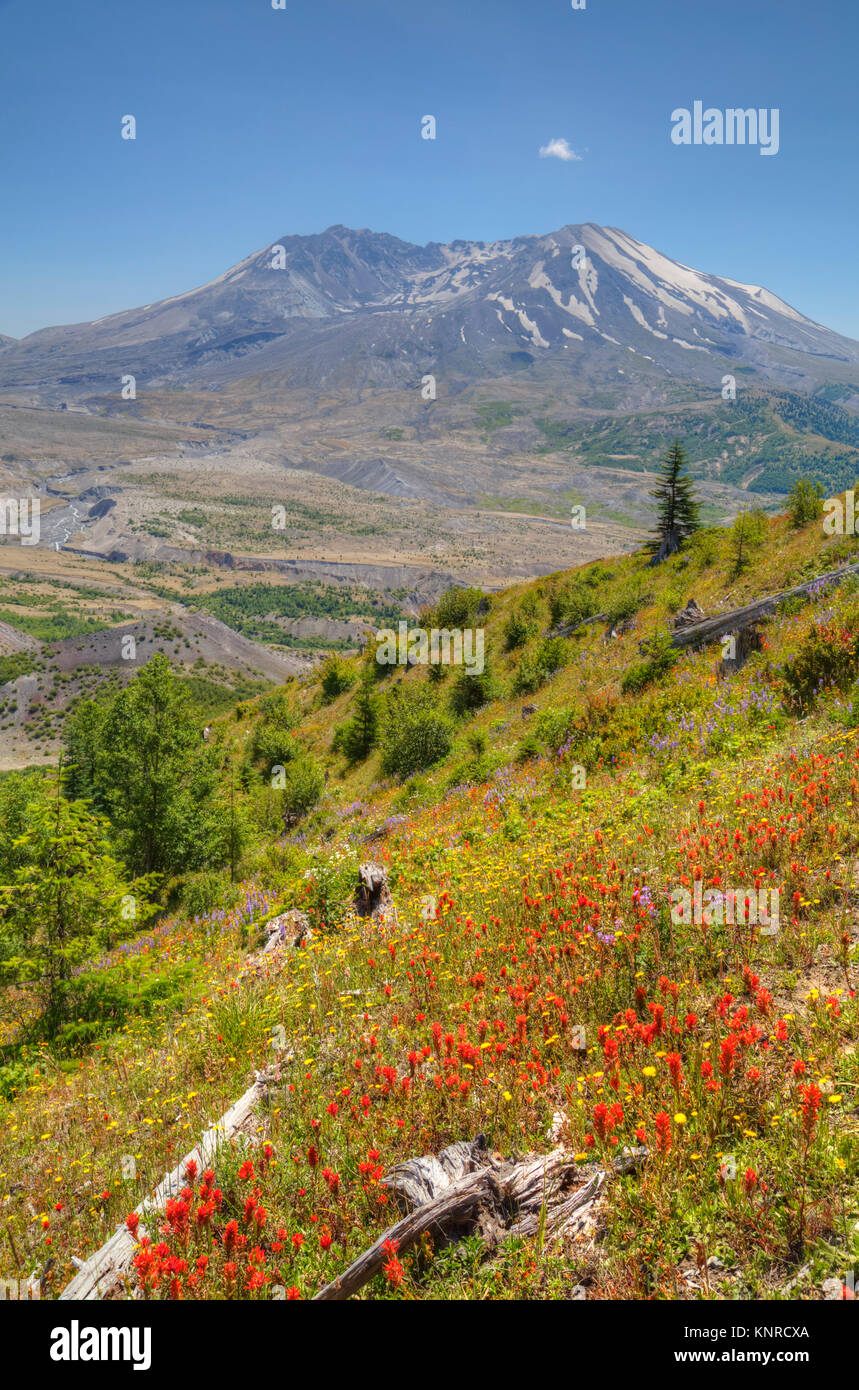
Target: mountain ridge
[(470, 309)]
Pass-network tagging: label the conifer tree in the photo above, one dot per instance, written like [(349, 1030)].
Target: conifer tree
[(677, 512), (362, 732), (747, 533)]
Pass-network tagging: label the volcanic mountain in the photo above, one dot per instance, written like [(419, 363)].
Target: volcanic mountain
[(342, 307)]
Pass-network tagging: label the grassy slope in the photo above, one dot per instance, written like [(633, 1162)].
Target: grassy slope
[(464, 1015)]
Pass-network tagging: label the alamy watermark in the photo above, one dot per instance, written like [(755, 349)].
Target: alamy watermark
[(733, 906), (839, 518), (76, 1343), (20, 1290), (419, 646), (21, 517), (733, 126)]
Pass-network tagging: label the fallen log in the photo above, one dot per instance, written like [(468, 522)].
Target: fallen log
[(711, 629), (467, 1187), (109, 1265), (567, 629)]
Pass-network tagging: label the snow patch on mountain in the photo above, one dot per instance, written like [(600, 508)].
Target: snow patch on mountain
[(538, 280), (640, 319)]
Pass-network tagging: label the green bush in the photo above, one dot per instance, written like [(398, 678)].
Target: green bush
[(273, 741), (627, 602), (360, 734), (705, 546), (746, 536), (273, 747), (100, 1002), (804, 502), (416, 735), (456, 608), (827, 659), (661, 656), (304, 784), (573, 604), (472, 690), (517, 629), (527, 677), (14, 1077), (536, 668), (205, 893), (335, 677), (555, 725), (331, 888), (528, 748)]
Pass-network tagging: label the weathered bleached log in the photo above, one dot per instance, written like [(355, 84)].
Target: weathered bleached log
[(567, 629), (459, 1203), (713, 628), (108, 1266), (420, 1180), (563, 1216), (467, 1185)]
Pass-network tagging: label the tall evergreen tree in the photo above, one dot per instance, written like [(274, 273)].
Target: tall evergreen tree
[(65, 898), (141, 761), (677, 513), (362, 732)]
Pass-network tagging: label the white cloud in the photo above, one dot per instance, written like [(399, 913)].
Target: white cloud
[(558, 149)]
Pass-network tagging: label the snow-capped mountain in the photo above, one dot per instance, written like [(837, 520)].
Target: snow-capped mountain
[(315, 310)]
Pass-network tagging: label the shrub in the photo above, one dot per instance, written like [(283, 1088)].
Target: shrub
[(527, 677), (415, 791), (746, 535), (555, 726), (437, 673), (528, 748), (517, 629), (804, 502), (827, 658), (627, 602), (416, 735), (552, 655), (102, 1001), (573, 605), (14, 1077), (535, 669), (331, 886), (371, 669), (661, 656), (360, 734), (272, 741), (335, 677), (277, 709), (304, 784), (558, 598), (457, 608), (705, 546), (472, 690), (475, 768), (273, 747), (205, 893)]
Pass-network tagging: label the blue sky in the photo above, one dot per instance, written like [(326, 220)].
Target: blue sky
[(254, 123)]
